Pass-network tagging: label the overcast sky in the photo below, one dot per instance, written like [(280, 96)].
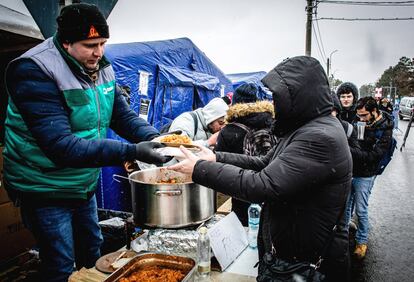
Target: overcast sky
[(246, 35)]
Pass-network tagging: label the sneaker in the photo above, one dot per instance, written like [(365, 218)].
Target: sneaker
[(360, 251)]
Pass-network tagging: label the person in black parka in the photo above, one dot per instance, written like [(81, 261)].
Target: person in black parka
[(303, 182), (254, 115)]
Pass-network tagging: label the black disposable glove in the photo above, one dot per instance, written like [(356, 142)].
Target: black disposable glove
[(145, 152)]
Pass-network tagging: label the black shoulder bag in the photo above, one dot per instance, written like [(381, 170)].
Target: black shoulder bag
[(274, 269)]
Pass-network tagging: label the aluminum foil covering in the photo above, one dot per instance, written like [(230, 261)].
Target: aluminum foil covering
[(180, 242)]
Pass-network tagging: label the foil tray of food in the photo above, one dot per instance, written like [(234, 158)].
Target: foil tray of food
[(155, 267)]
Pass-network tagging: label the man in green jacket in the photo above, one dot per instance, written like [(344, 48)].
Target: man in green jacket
[(63, 98)]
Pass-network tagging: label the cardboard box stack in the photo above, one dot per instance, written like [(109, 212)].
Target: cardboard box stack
[(14, 237)]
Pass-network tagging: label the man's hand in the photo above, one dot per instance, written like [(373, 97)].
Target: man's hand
[(187, 165), (145, 152), (206, 154)]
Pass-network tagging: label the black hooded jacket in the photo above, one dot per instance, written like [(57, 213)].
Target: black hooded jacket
[(348, 114), (304, 181)]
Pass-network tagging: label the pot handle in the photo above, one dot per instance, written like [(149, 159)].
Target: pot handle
[(115, 177), (168, 193)]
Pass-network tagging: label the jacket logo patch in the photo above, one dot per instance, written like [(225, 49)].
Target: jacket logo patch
[(108, 90), (93, 32)]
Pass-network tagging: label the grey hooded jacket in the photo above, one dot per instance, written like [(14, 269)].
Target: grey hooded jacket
[(215, 109)]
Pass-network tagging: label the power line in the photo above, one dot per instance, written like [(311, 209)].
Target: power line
[(365, 3), (317, 42), (319, 33), (365, 19), (320, 38)]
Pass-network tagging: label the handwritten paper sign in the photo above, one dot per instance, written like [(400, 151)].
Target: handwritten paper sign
[(143, 82), (228, 239)]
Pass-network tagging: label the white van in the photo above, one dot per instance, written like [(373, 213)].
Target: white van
[(406, 107)]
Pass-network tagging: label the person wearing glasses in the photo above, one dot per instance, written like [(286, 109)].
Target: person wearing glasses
[(375, 141)]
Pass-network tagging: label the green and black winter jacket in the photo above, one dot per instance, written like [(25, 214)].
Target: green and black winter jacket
[(56, 125)]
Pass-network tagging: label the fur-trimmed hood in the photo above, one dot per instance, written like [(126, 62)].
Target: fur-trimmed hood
[(241, 110)]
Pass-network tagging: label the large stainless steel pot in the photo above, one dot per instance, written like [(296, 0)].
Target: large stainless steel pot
[(168, 205)]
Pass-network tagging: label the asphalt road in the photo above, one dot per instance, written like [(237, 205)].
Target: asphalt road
[(390, 255)]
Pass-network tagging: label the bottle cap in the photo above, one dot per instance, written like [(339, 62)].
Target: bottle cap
[(203, 230)]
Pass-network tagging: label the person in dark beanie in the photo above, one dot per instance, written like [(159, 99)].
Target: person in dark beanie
[(63, 99), (245, 93), (348, 95), (367, 157), (81, 21)]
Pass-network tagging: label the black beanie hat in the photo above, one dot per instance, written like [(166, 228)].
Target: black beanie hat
[(82, 21), (245, 93)]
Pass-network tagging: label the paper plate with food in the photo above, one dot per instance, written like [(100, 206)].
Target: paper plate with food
[(176, 140)]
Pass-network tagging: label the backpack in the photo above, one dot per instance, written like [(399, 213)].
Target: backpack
[(257, 142), (166, 127), (386, 158)]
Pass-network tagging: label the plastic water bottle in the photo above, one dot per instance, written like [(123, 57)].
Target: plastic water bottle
[(203, 253), (254, 219)]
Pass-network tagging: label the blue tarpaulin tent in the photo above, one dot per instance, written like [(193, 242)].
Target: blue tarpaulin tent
[(171, 77), (169, 73), (238, 79)]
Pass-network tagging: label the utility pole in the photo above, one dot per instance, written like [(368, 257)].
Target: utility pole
[(309, 12)]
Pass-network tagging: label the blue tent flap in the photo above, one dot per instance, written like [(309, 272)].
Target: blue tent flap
[(180, 90), (131, 60), (238, 79), (183, 77)]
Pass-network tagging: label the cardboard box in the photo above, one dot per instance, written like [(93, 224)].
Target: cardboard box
[(14, 237)]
